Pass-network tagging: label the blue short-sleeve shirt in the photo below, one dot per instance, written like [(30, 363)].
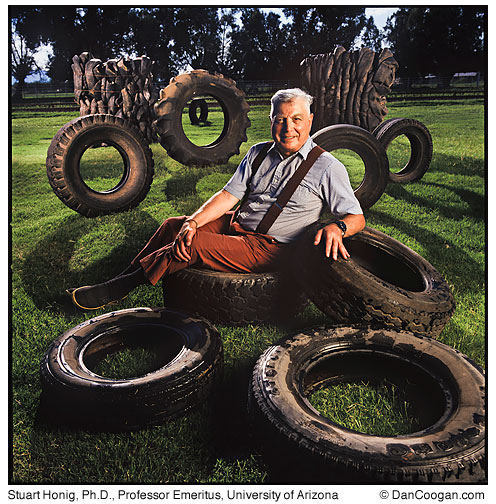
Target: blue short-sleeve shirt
[(325, 185)]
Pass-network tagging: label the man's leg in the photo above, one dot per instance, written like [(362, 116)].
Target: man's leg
[(96, 296), (220, 252)]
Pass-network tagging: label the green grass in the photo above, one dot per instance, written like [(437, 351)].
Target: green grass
[(442, 217), (372, 409)]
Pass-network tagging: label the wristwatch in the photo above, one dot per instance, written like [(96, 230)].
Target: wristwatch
[(341, 224)]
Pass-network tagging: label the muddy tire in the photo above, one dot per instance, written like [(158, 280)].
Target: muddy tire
[(233, 298), (99, 131), (384, 283), (444, 389), (371, 151), (420, 147), (187, 363), (169, 109)]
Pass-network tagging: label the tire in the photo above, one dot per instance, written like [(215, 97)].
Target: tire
[(188, 362), (79, 135), (373, 154), (383, 283), (196, 104), (168, 123), (420, 145), (235, 299), (444, 389)]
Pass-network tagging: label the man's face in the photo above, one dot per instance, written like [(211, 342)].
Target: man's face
[(291, 124)]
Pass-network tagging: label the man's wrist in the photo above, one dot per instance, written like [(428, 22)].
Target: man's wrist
[(189, 220)]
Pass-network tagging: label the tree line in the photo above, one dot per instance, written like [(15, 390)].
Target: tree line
[(245, 43)]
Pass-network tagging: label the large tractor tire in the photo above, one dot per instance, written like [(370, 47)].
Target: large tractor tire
[(169, 112)]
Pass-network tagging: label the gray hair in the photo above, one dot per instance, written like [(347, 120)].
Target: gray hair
[(288, 95)]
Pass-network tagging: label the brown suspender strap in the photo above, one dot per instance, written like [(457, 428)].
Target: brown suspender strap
[(288, 191), (254, 167)]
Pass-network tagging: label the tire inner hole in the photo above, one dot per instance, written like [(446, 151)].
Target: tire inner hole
[(385, 265), (399, 152), (374, 394), (133, 350), (354, 165), (204, 120), (103, 168)]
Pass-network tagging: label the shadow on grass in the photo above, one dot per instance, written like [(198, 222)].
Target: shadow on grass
[(452, 261), (456, 165), (46, 271)]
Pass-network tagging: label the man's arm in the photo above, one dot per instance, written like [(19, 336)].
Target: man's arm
[(220, 203), (332, 235)]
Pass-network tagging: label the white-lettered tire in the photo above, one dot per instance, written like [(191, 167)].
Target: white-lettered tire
[(188, 363), (443, 388)]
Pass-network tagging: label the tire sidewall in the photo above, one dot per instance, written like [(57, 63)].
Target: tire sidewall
[(372, 153), (420, 147)]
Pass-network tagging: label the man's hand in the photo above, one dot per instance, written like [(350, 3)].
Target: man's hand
[(183, 240), (332, 237)]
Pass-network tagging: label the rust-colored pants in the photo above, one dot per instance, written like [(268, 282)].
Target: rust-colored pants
[(221, 245)]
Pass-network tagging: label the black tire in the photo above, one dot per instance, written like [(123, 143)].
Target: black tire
[(72, 141), (445, 390), (189, 362), (233, 298), (168, 123), (194, 105), (373, 154), (384, 283), (420, 144)]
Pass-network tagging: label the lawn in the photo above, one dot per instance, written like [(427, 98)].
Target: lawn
[(442, 217)]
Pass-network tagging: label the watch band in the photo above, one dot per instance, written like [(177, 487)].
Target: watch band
[(342, 225)]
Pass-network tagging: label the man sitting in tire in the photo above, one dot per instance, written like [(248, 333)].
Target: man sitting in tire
[(216, 238)]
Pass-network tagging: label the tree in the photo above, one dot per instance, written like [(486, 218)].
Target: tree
[(317, 30), (22, 47), (438, 40), (22, 63), (151, 33), (258, 46), (227, 22), (196, 38), (371, 36)]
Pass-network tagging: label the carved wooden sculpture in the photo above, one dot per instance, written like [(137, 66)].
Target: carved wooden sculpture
[(349, 86)]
